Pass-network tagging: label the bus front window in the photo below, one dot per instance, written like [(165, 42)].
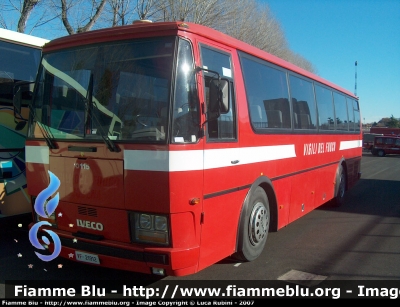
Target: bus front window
[(19, 63), (186, 115), (118, 90)]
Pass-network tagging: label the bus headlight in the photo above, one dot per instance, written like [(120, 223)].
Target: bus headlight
[(145, 221), (149, 228)]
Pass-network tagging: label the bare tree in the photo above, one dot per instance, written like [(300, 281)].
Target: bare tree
[(123, 12), (85, 16), (120, 11), (171, 10), (246, 20), (212, 13), (24, 9), (300, 61), (27, 8), (145, 8), (115, 7), (206, 12), (254, 24), (3, 8)]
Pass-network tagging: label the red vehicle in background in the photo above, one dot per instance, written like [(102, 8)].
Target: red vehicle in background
[(177, 146), (386, 145), (385, 130), (368, 140)]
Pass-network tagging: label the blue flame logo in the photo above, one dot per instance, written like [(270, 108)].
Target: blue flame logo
[(45, 209)]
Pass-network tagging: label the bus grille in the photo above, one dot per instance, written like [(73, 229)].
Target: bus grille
[(87, 211)]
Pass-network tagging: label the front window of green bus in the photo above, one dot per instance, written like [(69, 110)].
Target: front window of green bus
[(18, 63), (115, 91)]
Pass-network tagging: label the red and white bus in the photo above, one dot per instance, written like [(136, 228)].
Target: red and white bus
[(177, 146)]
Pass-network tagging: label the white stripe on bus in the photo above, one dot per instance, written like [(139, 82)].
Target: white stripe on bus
[(37, 154), (350, 144), (188, 160)]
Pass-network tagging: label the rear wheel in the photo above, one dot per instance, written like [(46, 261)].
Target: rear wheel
[(254, 226), (340, 187), (381, 153)]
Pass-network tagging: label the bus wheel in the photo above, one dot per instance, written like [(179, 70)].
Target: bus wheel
[(340, 188), (381, 153), (254, 229)]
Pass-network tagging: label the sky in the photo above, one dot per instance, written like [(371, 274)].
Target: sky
[(333, 35)]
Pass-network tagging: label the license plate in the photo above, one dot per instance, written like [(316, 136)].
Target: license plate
[(85, 257)]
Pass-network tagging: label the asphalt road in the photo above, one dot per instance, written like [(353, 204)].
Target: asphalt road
[(358, 241)]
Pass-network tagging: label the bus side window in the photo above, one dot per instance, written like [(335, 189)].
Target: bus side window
[(303, 103), (267, 94), (325, 108), (224, 127), (340, 112), (350, 113), (186, 112)]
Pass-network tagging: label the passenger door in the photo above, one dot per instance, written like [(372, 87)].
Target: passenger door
[(221, 155)]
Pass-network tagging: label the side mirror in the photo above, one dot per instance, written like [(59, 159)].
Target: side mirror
[(218, 97)]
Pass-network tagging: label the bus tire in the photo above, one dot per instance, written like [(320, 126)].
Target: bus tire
[(340, 187), (255, 226), (381, 153)]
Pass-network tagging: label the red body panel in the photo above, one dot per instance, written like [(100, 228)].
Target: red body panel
[(104, 184)]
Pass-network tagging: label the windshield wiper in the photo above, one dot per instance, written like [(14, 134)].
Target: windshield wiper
[(46, 132), (109, 143), (89, 109), (47, 135)]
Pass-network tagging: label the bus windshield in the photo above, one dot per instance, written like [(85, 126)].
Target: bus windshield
[(20, 64), (118, 89)]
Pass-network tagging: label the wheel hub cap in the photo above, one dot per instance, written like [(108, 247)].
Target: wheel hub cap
[(258, 226)]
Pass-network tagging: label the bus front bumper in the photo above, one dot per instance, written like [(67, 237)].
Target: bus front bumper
[(155, 260)]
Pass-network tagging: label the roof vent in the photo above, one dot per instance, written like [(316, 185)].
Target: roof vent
[(141, 21)]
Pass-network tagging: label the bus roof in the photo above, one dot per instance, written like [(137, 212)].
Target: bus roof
[(22, 38), (138, 29)]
